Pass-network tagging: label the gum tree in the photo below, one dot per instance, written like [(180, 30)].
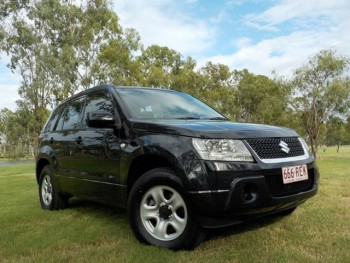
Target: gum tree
[(55, 46), (321, 91)]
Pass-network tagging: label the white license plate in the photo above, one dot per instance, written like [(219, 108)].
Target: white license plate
[(293, 174)]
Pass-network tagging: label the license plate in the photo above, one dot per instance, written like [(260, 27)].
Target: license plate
[(293, 174)]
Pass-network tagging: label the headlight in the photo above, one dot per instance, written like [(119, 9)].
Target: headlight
[(222, 150)]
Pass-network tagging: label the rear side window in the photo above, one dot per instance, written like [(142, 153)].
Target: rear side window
[(99, 101), (72, 116)]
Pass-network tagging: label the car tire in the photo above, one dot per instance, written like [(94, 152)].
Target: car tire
[(50, 198), (159, 212)]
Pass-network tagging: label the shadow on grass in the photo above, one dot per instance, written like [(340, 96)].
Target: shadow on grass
[(247, 226), (108, 212), (97, 209)]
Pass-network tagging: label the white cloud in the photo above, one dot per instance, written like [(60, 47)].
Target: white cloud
[(9, 84), (311, 26), (242, 42), (8, 95), (164, 23), (283, 54), (286, 52), (297, 29), (255, 25), (300, 11)]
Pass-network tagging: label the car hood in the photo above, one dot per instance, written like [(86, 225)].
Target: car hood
[(211, 129)]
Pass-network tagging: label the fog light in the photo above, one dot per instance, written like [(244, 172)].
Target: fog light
[(248, 193)]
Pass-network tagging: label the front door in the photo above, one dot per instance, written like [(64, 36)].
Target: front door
[(99, 163)]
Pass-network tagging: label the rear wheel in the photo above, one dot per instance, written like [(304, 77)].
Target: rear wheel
[(49, 197), (159, 213)]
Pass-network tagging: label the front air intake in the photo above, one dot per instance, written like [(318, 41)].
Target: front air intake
[(275, 148)]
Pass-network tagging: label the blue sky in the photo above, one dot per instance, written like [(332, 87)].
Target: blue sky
[(261, 36)]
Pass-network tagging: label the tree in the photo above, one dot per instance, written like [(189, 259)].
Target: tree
[(55, 46), (118, 62), (159, 65), (321, 91), (184, 77), (58, 48), (347, 130), (336, 132), (261, 99), (2, 37), (215, 86), (15, 134)]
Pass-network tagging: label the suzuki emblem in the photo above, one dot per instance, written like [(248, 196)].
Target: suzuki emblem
[(284, 147)]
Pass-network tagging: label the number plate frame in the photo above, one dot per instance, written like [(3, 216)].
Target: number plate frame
[(292, 174)]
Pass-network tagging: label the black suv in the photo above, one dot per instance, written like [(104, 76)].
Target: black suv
[(177, 165)]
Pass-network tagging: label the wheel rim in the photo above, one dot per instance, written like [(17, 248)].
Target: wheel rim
[(46, 190), (163, 213)]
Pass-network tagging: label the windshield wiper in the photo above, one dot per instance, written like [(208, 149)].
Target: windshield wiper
[(217, 118), (188, 118)]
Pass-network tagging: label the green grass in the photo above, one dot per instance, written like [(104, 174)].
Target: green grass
[(318, 231)]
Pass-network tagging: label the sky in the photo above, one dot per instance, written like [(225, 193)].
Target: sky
[(259, 35)]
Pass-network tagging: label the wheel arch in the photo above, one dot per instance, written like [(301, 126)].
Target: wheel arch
[(147, 162), (41, 163)]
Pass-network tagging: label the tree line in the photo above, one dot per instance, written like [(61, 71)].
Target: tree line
[(60, 47)]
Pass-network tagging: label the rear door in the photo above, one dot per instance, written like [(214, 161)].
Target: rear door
[(66, 141)]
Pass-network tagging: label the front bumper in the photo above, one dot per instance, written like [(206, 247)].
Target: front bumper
[(250, 196)]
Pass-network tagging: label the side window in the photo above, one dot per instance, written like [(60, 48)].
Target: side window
[(53, 119), (99, 101), (72, 115)]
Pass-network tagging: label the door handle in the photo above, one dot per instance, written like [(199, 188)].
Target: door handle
[(78, 140)]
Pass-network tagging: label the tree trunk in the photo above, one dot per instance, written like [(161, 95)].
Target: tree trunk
[(338, 146), (314, 147)]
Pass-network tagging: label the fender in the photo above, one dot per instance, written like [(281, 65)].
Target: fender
[(176, 150)]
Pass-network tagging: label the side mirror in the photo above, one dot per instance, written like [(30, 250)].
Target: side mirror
[(100, 119)]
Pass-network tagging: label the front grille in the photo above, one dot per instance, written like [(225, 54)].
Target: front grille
[(269, 148), (278, 189)]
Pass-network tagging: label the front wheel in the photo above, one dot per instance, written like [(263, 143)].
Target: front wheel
[(159, 213)]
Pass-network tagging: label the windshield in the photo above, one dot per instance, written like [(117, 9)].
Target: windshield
[(165, 104)]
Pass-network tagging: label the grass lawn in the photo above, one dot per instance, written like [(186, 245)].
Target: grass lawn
[(318, 231)]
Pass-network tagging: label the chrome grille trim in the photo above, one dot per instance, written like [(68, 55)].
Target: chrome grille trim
[(305, 156)]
